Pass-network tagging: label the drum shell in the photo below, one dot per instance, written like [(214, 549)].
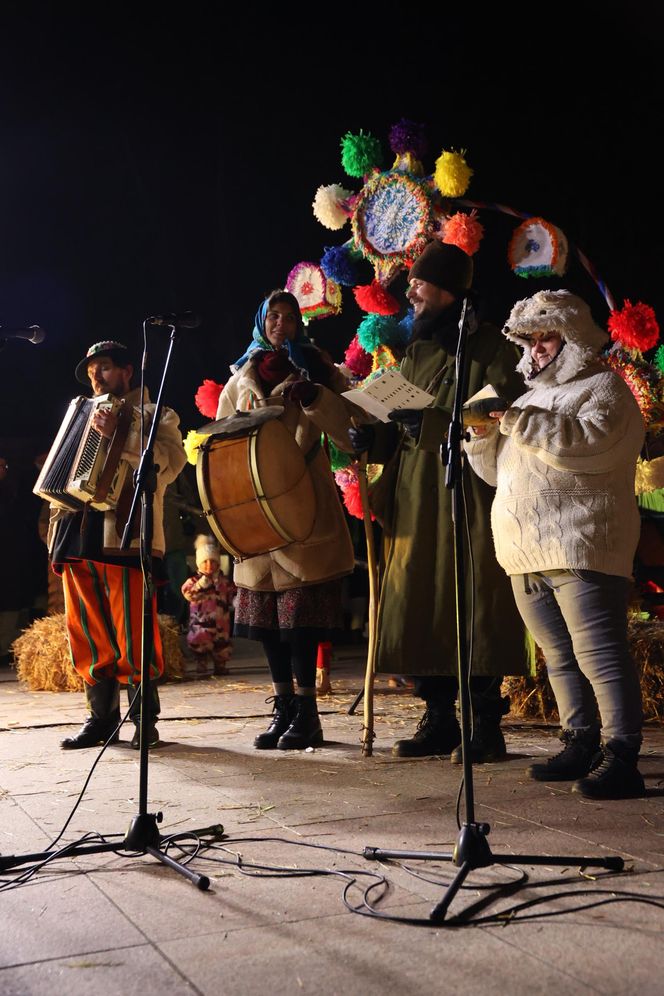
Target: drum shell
[(256, 489)]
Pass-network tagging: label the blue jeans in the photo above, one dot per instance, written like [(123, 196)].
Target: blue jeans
[(579, 621)]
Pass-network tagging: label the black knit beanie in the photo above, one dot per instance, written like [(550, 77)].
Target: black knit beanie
[(446, 266)]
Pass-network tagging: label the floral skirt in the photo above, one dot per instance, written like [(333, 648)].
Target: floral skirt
[(316, 608)]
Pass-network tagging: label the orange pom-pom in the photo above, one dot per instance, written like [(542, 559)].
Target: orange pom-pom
[(464, 231), (207, 398), (375, 299), (634, 327)]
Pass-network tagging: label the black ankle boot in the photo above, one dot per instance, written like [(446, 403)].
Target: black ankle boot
[(152, 733), (614, 774), (574, 760), (305, 730), (487, 743), (283, 714), (437, 732), (104, 705)]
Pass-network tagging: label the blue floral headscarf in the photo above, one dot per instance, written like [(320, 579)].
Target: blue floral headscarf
[(296, 347)]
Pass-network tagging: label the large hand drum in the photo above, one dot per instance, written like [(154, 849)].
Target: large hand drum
[(254, 483)]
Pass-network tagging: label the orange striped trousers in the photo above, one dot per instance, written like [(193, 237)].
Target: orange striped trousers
[(104, 615)]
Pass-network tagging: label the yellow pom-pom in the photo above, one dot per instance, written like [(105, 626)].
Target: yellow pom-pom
[(192, 442), (452, 174), (329, 207)]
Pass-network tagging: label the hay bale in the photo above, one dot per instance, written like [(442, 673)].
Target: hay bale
[(532, 698), (43, 663)]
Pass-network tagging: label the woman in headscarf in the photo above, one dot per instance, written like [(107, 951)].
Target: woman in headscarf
[(290, 599)]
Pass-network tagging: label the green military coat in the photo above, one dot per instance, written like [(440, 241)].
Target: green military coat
[(417, 632)]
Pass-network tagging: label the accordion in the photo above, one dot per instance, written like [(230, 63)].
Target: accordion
[(83, 467)]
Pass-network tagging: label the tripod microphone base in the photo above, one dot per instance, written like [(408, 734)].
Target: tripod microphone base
[(143, 832)]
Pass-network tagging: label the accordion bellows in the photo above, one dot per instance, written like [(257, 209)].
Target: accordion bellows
[(83, 467)]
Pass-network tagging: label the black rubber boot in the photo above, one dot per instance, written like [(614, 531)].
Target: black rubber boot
[(487, 743), (614, 774), (438, 732), (134, 695), (305, 730), (283, 714), (573, 761), (103, 701)]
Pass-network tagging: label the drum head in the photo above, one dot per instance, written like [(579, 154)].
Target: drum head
[(241, 422)]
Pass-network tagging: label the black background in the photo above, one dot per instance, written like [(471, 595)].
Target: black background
[(154, 162)]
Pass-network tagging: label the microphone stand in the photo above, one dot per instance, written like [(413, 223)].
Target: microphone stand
[(143, 835), (472, 848)]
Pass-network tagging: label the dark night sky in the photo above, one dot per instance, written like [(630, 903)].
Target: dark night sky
[(152, 162)]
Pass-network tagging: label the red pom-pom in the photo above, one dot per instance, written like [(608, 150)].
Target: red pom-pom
[(634, 327), (353, 499), (375, 299), (207, 398), (358, 361)]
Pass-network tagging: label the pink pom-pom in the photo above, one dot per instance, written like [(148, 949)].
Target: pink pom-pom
[(358, 361), (634, 327), (375, 299), (207, 398), (353, 499), (464, 231)]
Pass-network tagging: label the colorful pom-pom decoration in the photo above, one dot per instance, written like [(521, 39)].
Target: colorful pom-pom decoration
[(408, 136), (360, 154), (452, 174), (634, 326), (465, 231), (340, 264), (331, 207), (642, 378), (375, 299), (192, 442), (317, 295), (207, 398), (358, 361), (537, 249), (379, 330), (658, 359), (338, 458)]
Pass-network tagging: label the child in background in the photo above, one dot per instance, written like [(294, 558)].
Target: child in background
[(210, 595)]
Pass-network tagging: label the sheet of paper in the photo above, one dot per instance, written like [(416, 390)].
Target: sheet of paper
[(388, 392)]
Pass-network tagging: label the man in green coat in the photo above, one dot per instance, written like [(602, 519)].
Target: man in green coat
[(416, 632)]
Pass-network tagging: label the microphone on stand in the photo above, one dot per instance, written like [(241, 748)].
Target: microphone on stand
[(181, 320), (33, 333)]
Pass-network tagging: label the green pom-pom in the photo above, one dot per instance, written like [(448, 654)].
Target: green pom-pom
[(360, 154), (659, 359), (379, 330), (338, 459)]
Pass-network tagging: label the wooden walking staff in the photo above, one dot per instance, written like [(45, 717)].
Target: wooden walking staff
[(368, 724)]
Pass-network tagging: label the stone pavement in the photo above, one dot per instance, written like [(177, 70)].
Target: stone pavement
[(294, 905)]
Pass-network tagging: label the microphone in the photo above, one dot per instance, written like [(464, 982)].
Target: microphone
[(32, 333), (181, 320)]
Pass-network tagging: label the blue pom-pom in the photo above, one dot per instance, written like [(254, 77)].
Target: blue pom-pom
[(406, 325), (338, 265)]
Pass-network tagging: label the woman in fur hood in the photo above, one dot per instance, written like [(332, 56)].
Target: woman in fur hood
[(565, 526)]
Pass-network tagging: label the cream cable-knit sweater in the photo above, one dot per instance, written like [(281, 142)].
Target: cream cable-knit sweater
[(563, 462)]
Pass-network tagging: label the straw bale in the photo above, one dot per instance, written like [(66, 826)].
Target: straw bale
[(532, 698), (43, 663)]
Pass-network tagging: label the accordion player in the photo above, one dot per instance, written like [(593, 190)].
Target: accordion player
[(83, 467)]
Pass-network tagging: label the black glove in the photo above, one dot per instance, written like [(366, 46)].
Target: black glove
[(409, 418), (303, 392), (361, 437)]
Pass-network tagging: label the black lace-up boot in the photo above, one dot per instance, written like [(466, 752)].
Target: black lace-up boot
[(134, 695), (573, 761), (305, 730), (613, 774), (487, 743), (283, 714), (438, 732), (103, 701)]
